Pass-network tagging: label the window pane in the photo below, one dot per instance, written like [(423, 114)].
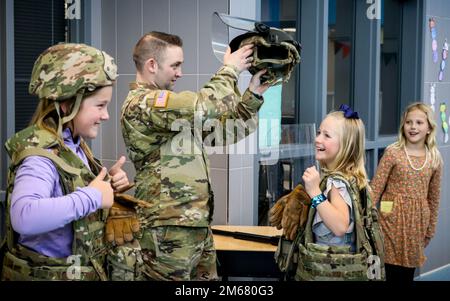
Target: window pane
[(282, 14), (37, 26), (370, 165), (390, 67), (340, 39), (278, 179), (371, 170), (295, 153)]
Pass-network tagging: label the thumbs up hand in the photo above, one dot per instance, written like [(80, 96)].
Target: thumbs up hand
[(104, 187), (119, 179)]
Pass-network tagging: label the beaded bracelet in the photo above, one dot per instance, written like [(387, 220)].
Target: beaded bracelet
[(317, 200)]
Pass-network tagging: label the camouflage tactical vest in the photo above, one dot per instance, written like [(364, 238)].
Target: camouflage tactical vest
[(88, 249), (318, 262), (304, 260)]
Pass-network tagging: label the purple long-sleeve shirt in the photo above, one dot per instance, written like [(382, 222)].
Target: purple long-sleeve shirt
[(40, 213)]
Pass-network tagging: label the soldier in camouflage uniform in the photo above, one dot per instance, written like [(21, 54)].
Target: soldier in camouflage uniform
[(176, 239), (56, 188)]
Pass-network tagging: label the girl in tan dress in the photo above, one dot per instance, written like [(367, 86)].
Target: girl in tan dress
[(407, 185)]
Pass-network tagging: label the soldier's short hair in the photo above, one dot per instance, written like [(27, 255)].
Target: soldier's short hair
[(153, 44)]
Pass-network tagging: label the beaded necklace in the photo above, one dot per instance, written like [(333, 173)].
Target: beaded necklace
[(409, 160)]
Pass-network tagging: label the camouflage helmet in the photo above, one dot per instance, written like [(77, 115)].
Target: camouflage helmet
[(274, 50), (65, 70)]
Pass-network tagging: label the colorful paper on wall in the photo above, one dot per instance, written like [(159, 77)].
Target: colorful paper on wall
[(433, 31), (433, 96), (443, 61), (443, 110)]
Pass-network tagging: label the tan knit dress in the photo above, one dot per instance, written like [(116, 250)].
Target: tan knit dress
[(409, 205)]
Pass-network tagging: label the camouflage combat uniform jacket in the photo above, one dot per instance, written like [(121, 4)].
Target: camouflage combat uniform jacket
[(21, 263), (172, 177)]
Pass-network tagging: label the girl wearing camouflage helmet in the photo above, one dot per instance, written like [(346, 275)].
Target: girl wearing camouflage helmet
[(55, 185)]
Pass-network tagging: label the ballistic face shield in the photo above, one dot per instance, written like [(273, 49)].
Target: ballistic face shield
[(274, 50)]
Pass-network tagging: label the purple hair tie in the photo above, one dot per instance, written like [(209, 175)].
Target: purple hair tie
[(348, 112)]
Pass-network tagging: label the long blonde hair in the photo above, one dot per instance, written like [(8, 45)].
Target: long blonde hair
[(430, 141), (350, 158), (46, 118)]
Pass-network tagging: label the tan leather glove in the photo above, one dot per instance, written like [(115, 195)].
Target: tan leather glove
[(295, 211), (122, 221), (276, 212)]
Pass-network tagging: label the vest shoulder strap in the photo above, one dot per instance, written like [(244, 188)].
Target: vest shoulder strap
[(34, 151), (337, 176)]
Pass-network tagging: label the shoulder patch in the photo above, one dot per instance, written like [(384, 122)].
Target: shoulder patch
[(161, 99)]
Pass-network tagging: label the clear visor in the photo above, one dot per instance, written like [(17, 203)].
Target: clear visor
[(225, 28)]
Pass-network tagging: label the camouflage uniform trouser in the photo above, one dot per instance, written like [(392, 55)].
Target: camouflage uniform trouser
[(179, 253), (124, 263)]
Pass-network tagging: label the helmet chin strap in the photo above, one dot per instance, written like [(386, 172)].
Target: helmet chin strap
[(65, 119)]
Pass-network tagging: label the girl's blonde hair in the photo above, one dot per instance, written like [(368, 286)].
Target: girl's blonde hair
[(430, 141), (350, 158), (46, 118)]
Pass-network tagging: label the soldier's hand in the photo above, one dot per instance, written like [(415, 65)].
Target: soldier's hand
[(241, 59), (104, 187), (255, 83), (295, 212), (122, 222), (119, 179)]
